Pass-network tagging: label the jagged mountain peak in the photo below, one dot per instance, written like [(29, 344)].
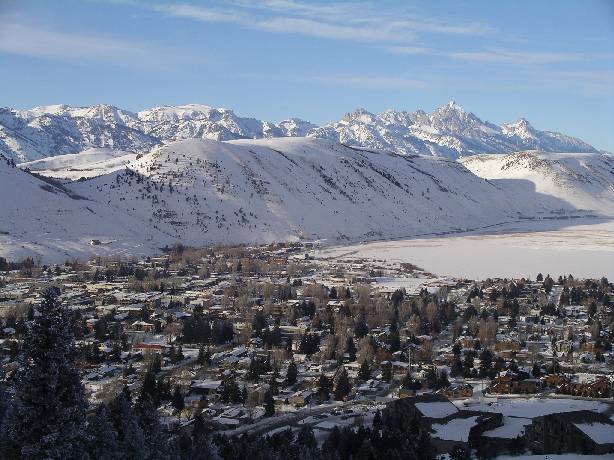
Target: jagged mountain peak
[(360, 115), (449, 130)]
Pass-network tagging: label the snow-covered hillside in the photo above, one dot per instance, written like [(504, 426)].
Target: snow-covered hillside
[(46, 220), (204, 192), (449, 131), (585, 181), (89, 163)]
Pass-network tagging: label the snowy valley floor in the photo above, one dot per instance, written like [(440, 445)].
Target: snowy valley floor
[(585, 249)]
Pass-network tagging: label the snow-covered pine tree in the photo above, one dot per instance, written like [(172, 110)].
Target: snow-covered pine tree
[(129, 432), (101, 438), (156, 440), (48, 417)]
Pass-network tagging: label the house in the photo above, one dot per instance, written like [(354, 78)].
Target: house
[(457, 390), (302, 398), (205, 387), (585, 432), (554, 380), (600, 388), (449, 427), (511, 436)]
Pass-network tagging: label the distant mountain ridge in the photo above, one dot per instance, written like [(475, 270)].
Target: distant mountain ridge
[(449, 131)]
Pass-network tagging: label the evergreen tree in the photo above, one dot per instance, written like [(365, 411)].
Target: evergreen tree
[(342, 387), (202, 449), (442, 380), (364, 373), (177, 401), (129, 433), (101, 438), (486, 358), (324, 387), (154, 438), (269, 404), (291, 374), (149, 389), (387, 371), (48, 419), (350, 348), (424, 448), (273, 386), (457, 366), (361, 329)]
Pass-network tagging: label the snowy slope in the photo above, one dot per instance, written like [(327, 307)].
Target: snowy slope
[(205, 192), (585, 181), (41, 219), (449, 131), (89, 163)]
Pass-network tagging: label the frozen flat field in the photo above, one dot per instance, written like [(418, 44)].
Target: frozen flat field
[(584, 248)]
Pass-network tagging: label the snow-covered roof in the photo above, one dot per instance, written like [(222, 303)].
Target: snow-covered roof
[(455, 430), (601, 433), (436, 409), (513, 427)]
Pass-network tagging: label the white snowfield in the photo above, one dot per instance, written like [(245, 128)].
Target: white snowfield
[(586, 181), (583, 247), (205, 192), (89, 163)]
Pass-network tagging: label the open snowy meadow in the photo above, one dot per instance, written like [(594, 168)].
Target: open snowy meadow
[(585, 249)]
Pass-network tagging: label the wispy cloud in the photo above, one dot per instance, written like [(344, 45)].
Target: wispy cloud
[(359, 22), (34, 41), (379, 33), (410, 50), (516, 57)]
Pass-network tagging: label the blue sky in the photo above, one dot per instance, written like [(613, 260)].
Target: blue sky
[(549, 61)]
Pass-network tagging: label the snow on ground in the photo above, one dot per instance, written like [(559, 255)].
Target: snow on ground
[(87, 164), (530, 407), (585, 249), (412, 285), (286, 189), (43, 220), (583, 180)]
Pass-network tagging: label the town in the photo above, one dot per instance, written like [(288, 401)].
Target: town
[(254, 347)]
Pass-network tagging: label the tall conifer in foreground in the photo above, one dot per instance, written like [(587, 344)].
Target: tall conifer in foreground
[(48, 417)]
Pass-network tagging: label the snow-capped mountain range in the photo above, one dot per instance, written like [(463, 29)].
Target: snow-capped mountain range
[(449, 131), (204, 192)]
